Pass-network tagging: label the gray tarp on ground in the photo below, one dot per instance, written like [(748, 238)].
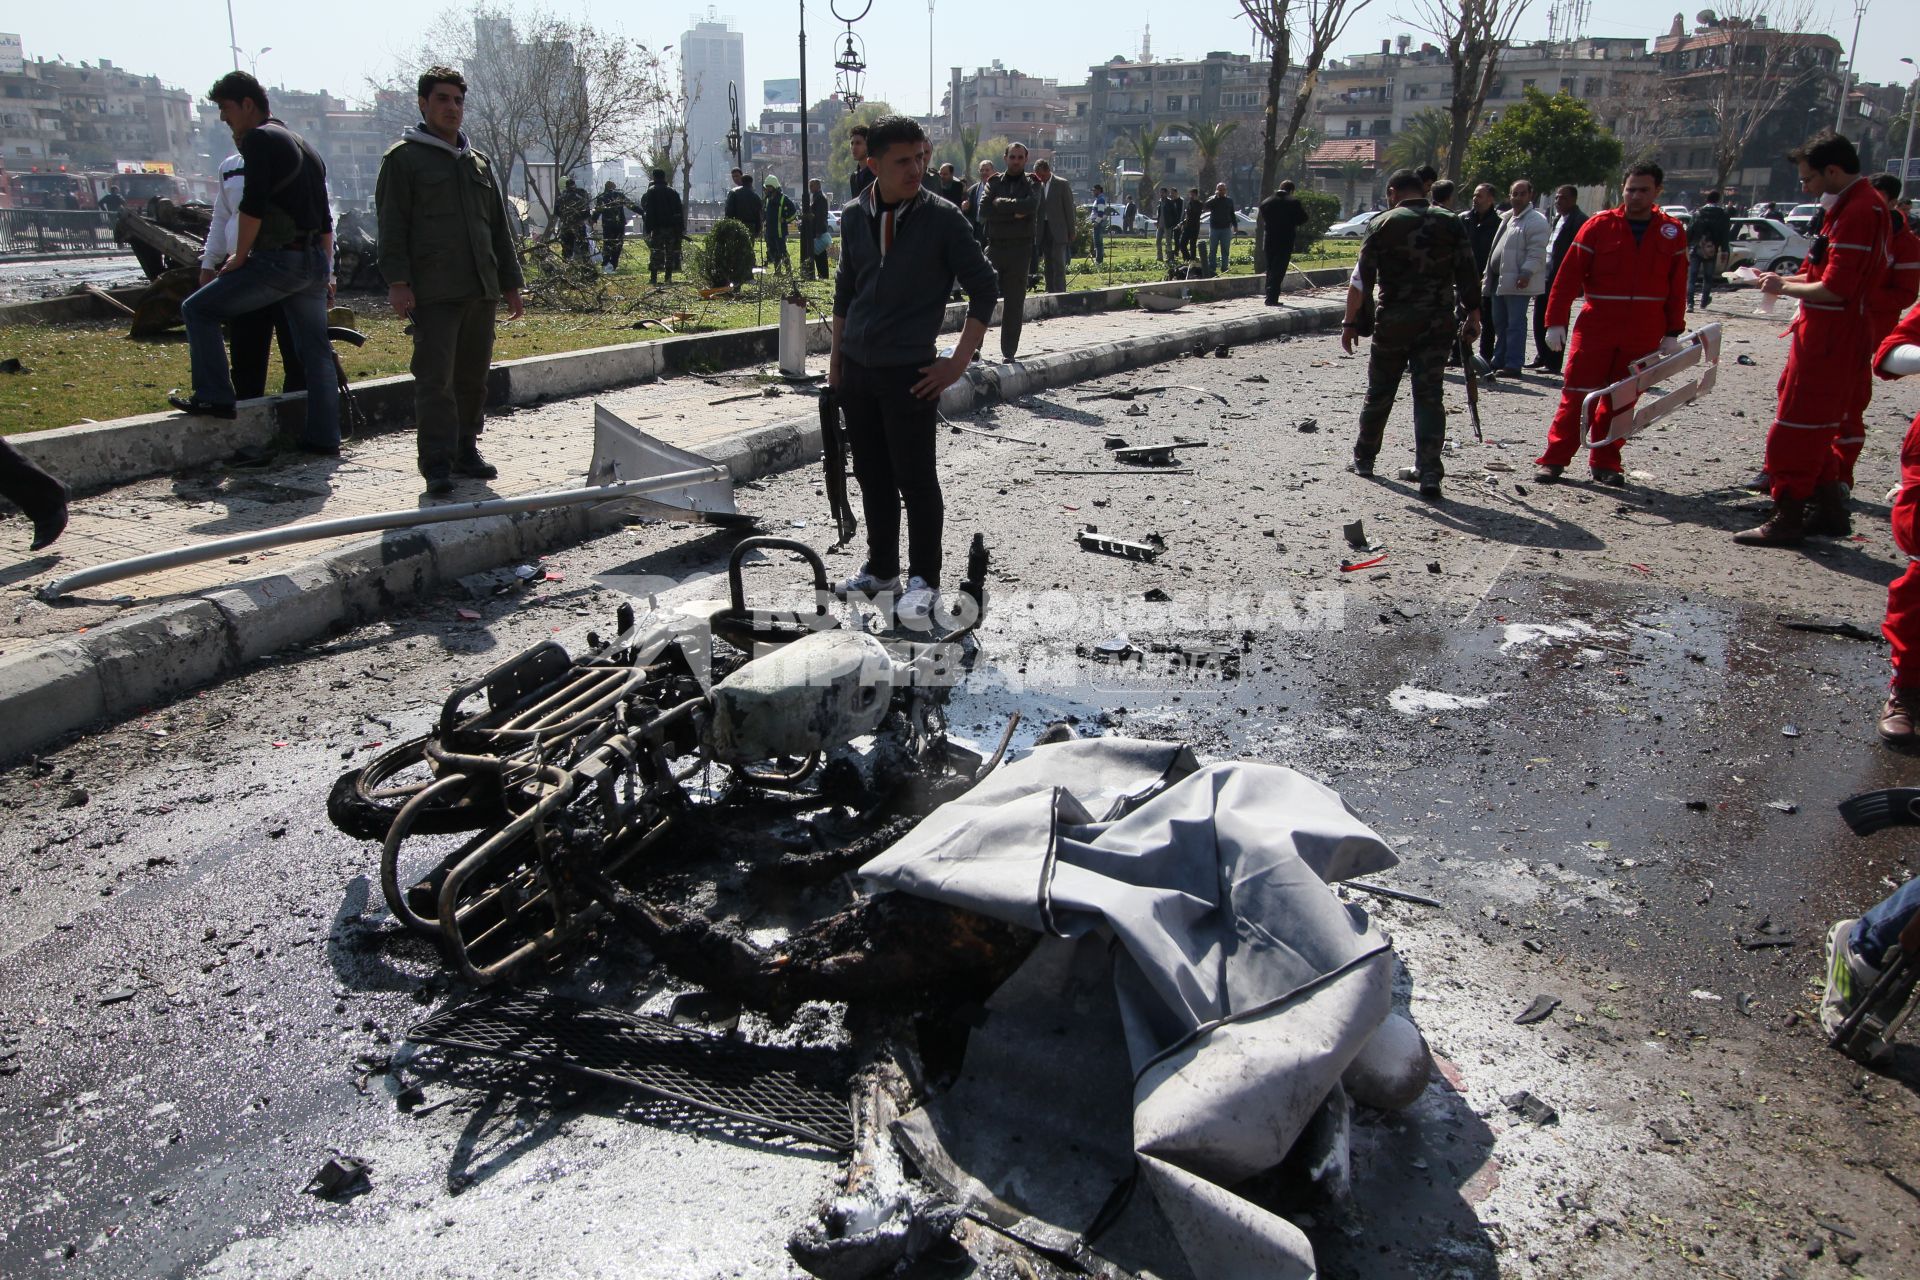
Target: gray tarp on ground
[(1193, 934)]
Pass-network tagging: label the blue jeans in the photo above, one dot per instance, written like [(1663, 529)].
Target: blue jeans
[(1099, 242), (1510, 330), (1219, 246), (1700, 278), (295, 278), (1880, 927)]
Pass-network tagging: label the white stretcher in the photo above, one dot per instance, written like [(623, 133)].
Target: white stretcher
[(1631, 412)]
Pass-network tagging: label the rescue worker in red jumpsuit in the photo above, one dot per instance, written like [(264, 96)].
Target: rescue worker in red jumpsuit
[(1884, 309), (1832, 338), (1630, 265), (1897, 357)]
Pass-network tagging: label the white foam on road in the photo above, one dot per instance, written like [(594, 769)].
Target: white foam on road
[(1410, 701)]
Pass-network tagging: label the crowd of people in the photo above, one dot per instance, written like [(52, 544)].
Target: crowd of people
[(1429, 284)]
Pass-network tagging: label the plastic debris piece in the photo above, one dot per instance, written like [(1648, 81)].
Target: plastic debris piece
[(467, 615), (1356, 535), (1346, 567), (1539, 1011), (1784, 806)]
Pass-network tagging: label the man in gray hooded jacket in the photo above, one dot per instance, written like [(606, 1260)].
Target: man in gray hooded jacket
[(449, 258)]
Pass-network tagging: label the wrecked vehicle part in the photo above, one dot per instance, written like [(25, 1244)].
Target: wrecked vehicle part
[(1148, 548), (1192, 935), (798, 1092), (1154, 455), (892, 948), (571, 775)]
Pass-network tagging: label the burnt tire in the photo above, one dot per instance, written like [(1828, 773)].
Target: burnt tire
[(364, 805)]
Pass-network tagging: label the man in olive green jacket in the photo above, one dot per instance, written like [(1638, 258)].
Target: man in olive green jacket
[(449, 258)]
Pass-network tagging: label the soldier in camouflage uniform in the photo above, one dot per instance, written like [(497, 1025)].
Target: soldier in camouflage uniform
[(1421, 259)]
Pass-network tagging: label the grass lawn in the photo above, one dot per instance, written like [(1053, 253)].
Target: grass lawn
[(92, 371)]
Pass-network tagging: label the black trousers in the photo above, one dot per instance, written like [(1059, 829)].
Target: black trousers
[(1279, 260), (892, 432), (611, 246), (1549, 360), (25, 485), (249, 337)]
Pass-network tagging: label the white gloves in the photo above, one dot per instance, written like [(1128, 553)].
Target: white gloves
[(1902, 361), (1669, 345), (1557, 338)]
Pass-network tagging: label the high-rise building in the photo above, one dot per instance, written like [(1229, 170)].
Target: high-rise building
[(712, 55)]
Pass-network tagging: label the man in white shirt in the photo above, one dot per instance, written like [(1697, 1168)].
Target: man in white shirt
[(249, 336), (1516, 274)]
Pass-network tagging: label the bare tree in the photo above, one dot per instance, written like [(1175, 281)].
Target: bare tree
[(542, 88), (1741, 72), (1473, 33), (1320, 23)]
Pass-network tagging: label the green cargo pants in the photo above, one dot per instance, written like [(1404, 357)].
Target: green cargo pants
[(452, 350), (1416, 342)]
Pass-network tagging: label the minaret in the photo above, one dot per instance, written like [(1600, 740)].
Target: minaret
[(1146, 43)]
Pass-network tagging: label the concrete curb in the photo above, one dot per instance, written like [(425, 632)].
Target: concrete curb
[(99, 455), (126, 666)]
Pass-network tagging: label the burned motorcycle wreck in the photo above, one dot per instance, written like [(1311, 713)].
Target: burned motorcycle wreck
[(1096, 991), (555, 791)]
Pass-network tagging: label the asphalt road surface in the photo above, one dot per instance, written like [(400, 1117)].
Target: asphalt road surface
[(1571, 710)]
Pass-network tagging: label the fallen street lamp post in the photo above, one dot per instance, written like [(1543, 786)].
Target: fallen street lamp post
[(220, 548)]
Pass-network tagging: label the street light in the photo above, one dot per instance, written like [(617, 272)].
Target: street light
[(1846, 81), (1913, 99)]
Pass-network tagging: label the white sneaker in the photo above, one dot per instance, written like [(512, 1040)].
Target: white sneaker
[(865, 584), (917, 605)]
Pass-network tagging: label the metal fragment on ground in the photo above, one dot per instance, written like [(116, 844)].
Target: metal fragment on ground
[(1532, 1106), (1147, 548)]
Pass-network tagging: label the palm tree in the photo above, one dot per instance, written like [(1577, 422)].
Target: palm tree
[(1426, 138), (1208, 138), (1141, 145), (969, 148)]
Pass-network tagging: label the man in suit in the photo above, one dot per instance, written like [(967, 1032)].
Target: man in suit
[(742, 205), (1055, 225), (971, 205), (1281, 217), (1483, 224), (1566, 225)]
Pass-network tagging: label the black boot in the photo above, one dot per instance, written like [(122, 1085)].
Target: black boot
[(1827, 512)]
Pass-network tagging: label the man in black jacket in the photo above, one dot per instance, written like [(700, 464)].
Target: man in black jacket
[(815, 234), (282, 254), (1281, 217), (948, 187), (1172, 212), (862, 176), (884, 366), (663, 220), (742, 205), (1190, 225), (1568, 219), (1710, 236), (1010, 209), (1483, 224)]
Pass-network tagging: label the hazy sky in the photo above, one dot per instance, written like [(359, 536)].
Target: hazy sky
[(339, 44)]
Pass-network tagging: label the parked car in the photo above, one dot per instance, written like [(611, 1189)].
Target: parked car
[(1679, 212), (1801, 219), (1767, 244), (1354, 228)]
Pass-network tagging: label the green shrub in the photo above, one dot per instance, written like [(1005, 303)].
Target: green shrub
[(1323, 211), (726, 255)]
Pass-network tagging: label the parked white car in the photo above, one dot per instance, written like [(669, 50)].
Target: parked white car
[(1354, 228), (1767, 244), (1802, 217)]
